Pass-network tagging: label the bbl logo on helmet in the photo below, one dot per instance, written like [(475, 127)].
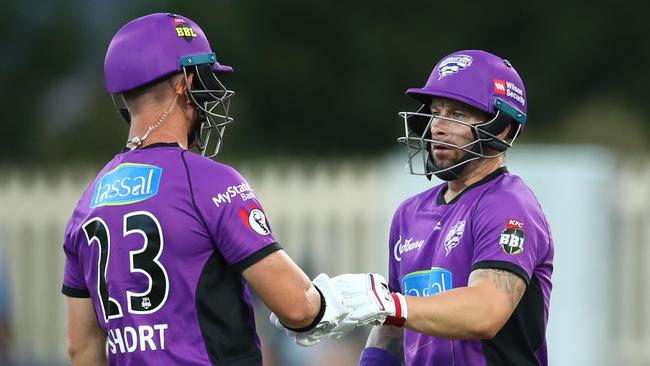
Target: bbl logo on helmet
[(453, 64), (512, 237), (184, 30)]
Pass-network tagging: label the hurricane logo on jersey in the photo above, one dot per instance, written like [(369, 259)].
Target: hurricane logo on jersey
[(126, 184), (453, 236), (453, 64), (512, 237)]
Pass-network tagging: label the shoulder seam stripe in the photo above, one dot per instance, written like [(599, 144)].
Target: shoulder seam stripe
[(196, 207)]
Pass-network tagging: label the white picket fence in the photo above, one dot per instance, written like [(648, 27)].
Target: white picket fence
[(327, 218), (632, 301), (330, 218)]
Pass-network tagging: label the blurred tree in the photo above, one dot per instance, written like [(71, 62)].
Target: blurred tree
[(319, 78)]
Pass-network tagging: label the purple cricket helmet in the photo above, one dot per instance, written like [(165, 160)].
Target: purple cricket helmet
[(480, 80), (155, 46)]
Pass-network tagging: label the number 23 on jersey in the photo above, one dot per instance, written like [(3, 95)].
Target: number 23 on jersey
[(143, 260)]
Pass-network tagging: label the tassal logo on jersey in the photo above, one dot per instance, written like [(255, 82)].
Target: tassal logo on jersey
[(427, 282), (512, 237), (126, 184), (242, 190), (408, 245)]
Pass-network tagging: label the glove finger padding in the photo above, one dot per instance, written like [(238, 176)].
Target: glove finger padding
[(368, 296), (335, 311)]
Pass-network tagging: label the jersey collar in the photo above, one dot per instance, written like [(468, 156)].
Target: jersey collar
[(154, 145), (440, 200)]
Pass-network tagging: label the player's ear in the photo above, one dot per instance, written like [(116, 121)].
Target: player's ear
[(190, 81)]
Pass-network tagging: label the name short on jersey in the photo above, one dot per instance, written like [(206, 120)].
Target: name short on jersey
[(126, 184)]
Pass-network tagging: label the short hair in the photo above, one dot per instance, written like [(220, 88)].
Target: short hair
[(157, 91)]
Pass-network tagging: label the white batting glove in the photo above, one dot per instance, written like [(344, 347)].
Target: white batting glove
[(335, 311), (370, 301)]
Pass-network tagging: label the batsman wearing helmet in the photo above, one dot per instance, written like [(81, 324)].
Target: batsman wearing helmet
[(470, 259), (163, 244)]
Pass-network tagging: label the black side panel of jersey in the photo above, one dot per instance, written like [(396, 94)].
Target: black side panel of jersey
[(223, 316), (515, 344)]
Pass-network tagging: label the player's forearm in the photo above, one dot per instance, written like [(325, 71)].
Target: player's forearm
[(389, 339), (91, 353), (305, 310), (462, 313)]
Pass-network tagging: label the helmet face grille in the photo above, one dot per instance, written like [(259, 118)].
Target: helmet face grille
[(480, 80), (418, 140), (212, 100)]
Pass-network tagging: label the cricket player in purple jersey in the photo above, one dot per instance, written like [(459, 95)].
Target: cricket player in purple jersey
[(163, 244), (470, 259), (473, 256)]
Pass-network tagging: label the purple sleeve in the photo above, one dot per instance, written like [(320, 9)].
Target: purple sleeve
[(372, 356), (74, 283), (233, 216), (510, 233), (393, 272)]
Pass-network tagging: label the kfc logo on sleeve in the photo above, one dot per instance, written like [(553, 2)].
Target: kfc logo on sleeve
[(512, 237)]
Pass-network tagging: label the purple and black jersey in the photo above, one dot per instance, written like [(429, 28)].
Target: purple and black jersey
[(435, 245), (158, 242)]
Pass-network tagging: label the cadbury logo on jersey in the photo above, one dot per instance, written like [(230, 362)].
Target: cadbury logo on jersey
[(126, 184), (408, 245)]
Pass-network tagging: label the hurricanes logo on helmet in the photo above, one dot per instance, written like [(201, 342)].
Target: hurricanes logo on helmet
[(453, 64)]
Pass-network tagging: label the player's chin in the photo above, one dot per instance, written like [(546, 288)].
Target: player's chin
[(444, 159)]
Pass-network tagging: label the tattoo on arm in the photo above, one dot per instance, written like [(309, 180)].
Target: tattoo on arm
[(390, 339), (513, 285)]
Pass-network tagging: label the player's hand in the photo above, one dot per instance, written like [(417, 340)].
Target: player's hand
[(335, 311), (370, 301)]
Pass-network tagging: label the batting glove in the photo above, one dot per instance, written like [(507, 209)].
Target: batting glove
[(335, 311), (370, 301)]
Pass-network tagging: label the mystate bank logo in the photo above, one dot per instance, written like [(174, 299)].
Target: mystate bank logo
[(408, 245)]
